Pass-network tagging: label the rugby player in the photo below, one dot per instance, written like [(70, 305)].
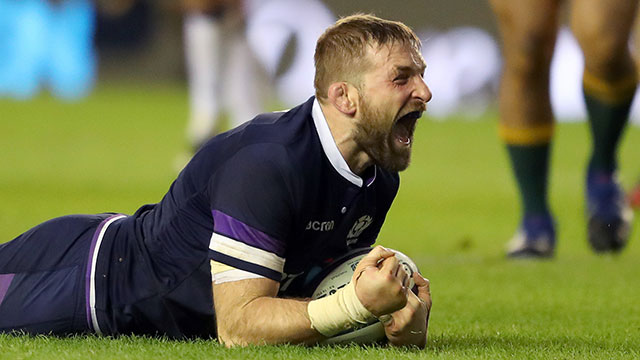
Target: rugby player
[(529, 29), (256, 212), (214, 39)]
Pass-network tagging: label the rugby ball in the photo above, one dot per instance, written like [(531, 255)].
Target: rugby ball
[(338, 275)]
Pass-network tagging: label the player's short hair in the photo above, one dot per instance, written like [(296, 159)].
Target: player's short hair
[(341, 51)]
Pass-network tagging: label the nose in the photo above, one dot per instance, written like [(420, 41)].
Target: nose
[(422, 91)]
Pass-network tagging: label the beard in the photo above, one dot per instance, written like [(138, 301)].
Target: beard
[(374, 134)]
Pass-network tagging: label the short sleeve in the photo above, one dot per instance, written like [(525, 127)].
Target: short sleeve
[(252, 204)]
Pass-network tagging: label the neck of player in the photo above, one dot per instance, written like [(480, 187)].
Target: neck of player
[(342, 128)]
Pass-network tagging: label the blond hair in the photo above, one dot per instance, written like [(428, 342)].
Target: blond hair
[(341, 50)]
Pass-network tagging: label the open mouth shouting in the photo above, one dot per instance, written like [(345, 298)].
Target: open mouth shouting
[(404, 127)]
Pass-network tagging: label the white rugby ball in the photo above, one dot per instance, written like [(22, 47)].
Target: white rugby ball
[(339, 275)]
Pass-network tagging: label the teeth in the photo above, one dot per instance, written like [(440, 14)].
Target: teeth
[(405, 142)]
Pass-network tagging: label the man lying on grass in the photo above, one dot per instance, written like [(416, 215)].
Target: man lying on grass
[(256, 213)]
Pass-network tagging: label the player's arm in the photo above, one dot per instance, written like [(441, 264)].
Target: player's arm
[(248, 311)]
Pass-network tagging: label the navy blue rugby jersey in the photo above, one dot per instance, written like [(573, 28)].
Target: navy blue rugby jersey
[(272, 198)]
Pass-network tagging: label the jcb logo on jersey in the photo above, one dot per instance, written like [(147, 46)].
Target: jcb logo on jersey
[(320, 225), (361, 224)]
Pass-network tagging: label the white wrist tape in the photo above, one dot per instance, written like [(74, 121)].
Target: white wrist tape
[(338, 312)]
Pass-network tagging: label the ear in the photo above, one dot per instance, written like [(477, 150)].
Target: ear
[(342, 98)]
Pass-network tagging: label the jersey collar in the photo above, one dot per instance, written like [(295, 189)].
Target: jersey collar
[(331, 149)]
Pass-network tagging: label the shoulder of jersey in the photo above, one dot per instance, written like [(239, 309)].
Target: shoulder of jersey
[(277, 127)]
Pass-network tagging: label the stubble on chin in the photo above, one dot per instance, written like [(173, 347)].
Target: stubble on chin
[(376, 139)]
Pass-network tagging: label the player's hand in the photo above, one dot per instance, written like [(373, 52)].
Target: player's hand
[(379, 281), (408, 326)]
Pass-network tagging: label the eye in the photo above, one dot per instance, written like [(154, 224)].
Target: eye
[(401, 79)]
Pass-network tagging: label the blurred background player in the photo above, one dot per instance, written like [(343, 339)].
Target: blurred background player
[(214, 40), (529, 29)]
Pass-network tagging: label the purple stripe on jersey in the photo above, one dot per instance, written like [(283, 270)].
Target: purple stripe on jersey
[(90, 264), (246, 266), (5, 282), (372, 178), (224, 224)]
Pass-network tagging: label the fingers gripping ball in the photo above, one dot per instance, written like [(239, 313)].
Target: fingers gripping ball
[(338, 275)]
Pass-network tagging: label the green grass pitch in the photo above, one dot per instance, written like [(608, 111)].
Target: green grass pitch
[(456, 208)]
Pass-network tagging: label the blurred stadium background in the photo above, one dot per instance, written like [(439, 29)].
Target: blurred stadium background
[(142, 40)]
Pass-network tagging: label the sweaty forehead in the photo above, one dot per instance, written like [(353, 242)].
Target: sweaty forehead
[(398, 56), (418, 60)]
